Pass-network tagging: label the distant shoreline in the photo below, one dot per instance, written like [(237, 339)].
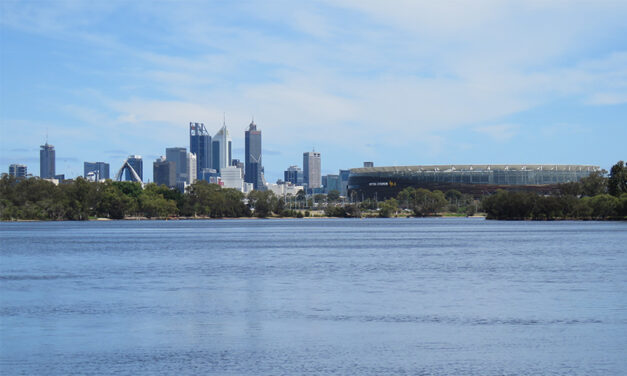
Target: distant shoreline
[(477, 216)]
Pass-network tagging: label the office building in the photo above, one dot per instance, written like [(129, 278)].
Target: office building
[(209, 175), (179, 157), (47, 162), (344, 174), (312, 170), (232, 177), (200, 145), (284, 189), (221, 149), (18, 170), (252, 159), (294, 175), (192, 162), (136, 162), (332, 183), (96, 170), (164, 172), (237, 163)]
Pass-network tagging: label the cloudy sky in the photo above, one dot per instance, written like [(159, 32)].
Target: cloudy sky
[(394, 82)]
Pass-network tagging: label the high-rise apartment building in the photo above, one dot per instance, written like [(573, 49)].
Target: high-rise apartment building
[(221, 149), (18, 170), (179, 157), (137, 163), (99, 170), (252, 159), (164, 172), (312, 170), (47, 162), (293, 175), (200, 144)]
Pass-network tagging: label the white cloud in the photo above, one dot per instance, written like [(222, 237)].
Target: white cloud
[(607, 99), (372, 72), (498, 132)]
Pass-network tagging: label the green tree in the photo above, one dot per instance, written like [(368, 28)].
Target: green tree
[(388, 208), (319, 198), (262, 202), (426, 202), (333, 195), (509, 205), (604, 206), (155, 205), (594, 184), (617, 182)]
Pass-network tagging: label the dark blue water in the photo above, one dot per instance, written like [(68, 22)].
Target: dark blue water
[(314, 297)]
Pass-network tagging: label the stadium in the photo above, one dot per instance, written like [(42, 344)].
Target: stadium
[(384, 182)]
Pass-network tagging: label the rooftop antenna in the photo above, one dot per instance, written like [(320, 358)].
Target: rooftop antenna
[(224, 119), (46, 135)]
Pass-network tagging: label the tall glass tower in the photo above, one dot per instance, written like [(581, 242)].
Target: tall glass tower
[(200, 144), (252, 159), (179, 157), (221, 149), (47, 162)]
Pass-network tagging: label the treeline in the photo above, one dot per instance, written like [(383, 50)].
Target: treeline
[(419, 202), (594, 197), (80, 200)]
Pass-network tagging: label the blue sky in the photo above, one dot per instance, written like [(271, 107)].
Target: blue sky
[(394, 82)]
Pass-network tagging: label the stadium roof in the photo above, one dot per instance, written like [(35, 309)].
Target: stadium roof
[(485, 167)]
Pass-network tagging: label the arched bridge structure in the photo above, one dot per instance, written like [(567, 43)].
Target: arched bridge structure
[(127, 166)]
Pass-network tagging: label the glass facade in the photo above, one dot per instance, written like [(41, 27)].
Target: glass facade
[(100, 170), (47, 162), (200, 144), (388, 181), (253, 167), (137, 163)]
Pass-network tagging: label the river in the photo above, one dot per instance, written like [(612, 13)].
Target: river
[(461, 296)]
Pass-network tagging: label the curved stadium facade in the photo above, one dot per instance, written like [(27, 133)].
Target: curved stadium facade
[(385, 182)]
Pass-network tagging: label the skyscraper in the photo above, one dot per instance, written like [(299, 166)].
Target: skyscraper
[(311, 167), (252, 159), (200, 144), (138, 165), (179, 157), (100, 170), (164, 172), (46, 161), (221, 149), (192, 168), (294, 175), (18, 170), (332, 183)]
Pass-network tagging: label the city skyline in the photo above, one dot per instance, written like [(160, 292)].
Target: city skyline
[(405, 83)]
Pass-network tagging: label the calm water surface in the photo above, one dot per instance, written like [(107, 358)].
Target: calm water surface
[(314, 297)]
